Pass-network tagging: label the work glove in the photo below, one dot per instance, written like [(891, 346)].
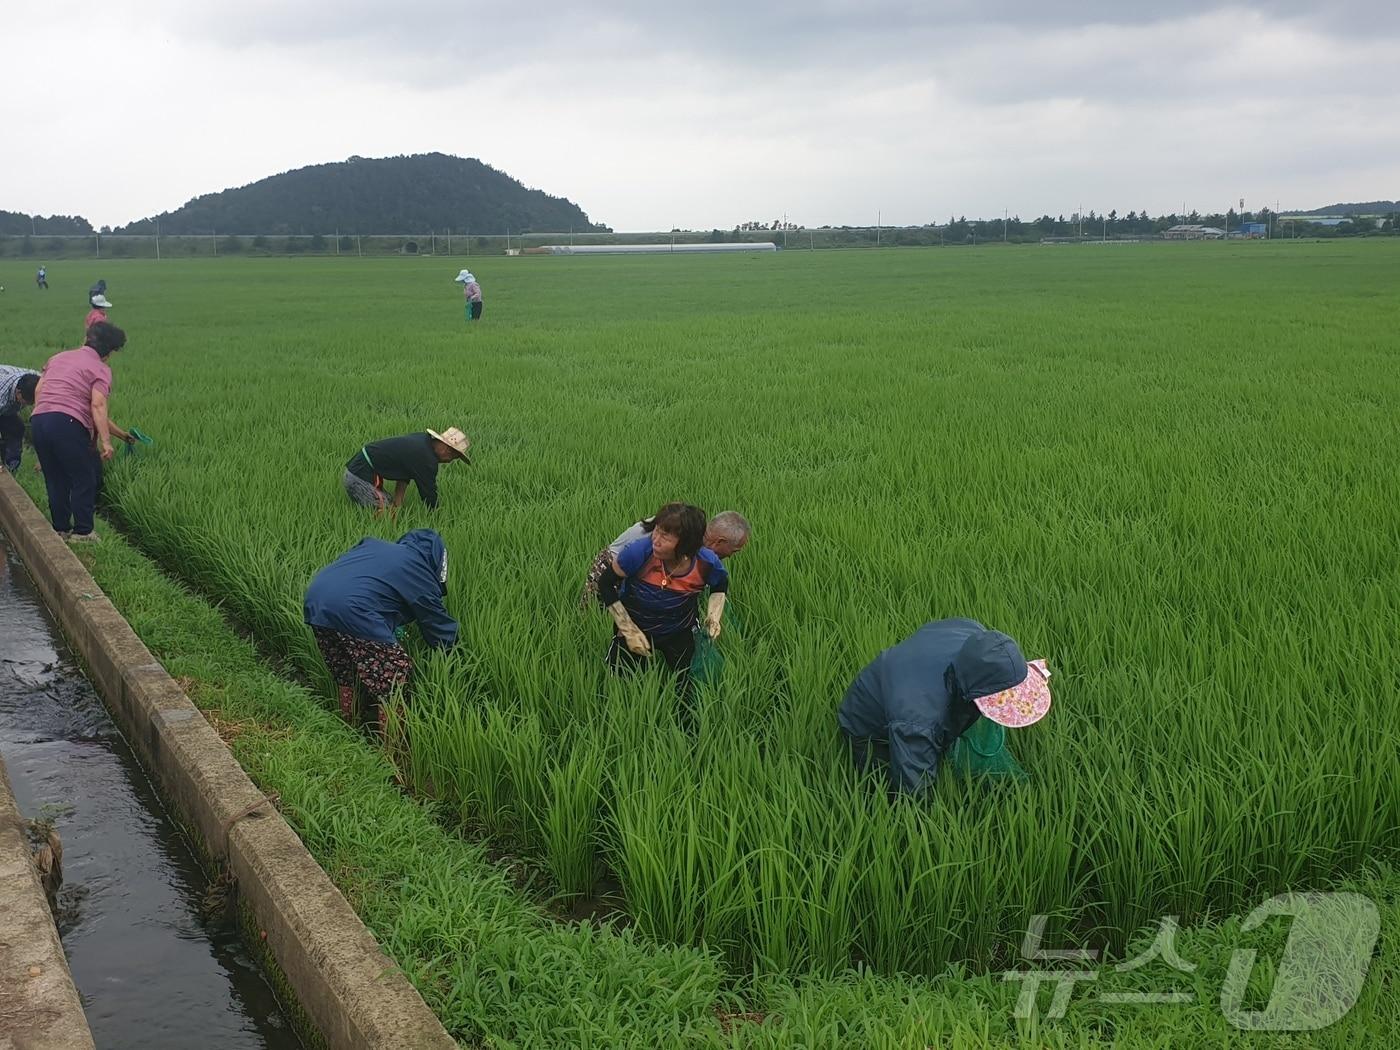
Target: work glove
[(632, 635), (713, 612)]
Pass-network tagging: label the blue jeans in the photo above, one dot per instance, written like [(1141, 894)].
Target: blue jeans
[(64, 448)]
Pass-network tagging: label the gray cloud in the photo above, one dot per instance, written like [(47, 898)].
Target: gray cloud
[(646, 115)]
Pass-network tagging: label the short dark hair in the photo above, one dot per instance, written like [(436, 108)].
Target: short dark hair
[(26, 386), (105, 337), (684, 521)]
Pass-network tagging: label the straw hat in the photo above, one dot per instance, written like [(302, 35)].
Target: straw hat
[(455, 440), (463, 276), (100, 301), (1023, 704)]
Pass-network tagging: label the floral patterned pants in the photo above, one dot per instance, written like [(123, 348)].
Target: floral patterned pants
[(380, 667)]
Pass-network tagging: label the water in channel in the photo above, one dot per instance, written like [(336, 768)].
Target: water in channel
[(154, 973)]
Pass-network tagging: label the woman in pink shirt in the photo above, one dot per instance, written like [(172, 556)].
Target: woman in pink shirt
[(100, 306), (70, 416)]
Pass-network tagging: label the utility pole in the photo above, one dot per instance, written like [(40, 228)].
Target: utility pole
[(214, 241), (878, 217), (337, 241), (1004, 213), (157, 240), (358, 252)]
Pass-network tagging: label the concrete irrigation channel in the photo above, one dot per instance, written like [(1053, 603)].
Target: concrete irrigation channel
[(172, 978), (152, 966)]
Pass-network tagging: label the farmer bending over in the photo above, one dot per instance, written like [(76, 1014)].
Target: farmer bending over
[(357, 603), (413, 457), (16, 392), (726, 534), (914, 700), (652, 589)]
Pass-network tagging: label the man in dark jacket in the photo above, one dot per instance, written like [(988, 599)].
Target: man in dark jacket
[(357, 604), (914, 700), (412, 457)]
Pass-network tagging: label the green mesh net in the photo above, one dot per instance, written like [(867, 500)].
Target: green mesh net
[(981, 751), (708, 665)]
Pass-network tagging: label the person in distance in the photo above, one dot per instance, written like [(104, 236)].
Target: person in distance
[(471, 291)]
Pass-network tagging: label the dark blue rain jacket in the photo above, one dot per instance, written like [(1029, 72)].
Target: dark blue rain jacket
[(376, 587), (914, 699)]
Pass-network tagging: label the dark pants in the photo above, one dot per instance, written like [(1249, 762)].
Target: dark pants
[(11, 440), (474, 310), (676, 651), (64, 448)]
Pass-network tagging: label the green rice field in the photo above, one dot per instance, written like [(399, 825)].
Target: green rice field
[(1169, 470)]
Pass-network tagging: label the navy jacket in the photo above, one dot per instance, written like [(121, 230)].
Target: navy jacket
[(376, 587), (915, 699)]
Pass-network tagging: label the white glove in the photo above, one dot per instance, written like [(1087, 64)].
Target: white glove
[(713, 612), (632, 635)]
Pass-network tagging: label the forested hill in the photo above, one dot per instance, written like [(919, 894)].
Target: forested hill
[(421, 193)]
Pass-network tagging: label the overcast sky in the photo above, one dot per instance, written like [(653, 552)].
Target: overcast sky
[(831, 111)]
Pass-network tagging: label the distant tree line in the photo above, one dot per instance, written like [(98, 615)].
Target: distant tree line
[(17, 224)]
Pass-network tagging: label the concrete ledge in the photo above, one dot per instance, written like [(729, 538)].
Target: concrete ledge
[(39, 1005), (352, 992)]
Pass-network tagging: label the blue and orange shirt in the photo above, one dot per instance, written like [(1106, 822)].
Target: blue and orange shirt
[(658, 602)]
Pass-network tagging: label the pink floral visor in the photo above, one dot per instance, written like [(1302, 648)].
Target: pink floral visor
[(1023, 704)]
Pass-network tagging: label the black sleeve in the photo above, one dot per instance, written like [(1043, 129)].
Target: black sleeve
[(609, 586), (426, 480)]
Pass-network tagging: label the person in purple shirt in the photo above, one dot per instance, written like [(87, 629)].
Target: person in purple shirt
[(69, 419)]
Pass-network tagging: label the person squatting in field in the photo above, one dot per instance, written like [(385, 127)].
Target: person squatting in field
[(471, 292), (652, 589), (357, 605), (726, 534), (71, 431), (17, 386), (41, 278), (913, 701), (99, 306), (412, 457)]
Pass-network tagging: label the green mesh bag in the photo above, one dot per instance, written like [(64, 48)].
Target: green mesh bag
[(708, 665), (981, 751)]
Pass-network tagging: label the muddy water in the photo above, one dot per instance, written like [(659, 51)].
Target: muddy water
[(152, 971)]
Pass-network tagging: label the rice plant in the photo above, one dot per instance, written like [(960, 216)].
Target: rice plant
[(1169, 472)]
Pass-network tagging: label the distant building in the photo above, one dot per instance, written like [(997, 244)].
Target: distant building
[(1250, 231), (1193, 232)]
